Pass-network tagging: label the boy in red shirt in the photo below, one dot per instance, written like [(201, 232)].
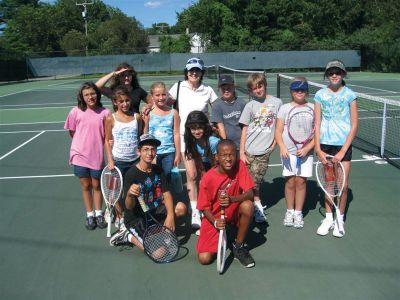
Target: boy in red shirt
[(238, 204)]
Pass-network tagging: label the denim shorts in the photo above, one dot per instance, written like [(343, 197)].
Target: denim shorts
[(166, 162), (124, 166), (86, 172)]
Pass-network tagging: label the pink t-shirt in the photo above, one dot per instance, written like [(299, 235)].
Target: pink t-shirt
[(88, 142)]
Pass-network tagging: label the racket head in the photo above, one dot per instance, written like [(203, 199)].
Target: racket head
[(160, 244), (111, 185), (301, 124), (330, 177), (221, 254)]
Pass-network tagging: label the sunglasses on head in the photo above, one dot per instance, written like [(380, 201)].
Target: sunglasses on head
[(195, 61)]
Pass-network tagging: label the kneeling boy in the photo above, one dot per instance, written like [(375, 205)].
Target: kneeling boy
[(238, 204)]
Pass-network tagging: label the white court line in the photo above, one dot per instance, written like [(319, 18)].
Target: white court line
[(33, 104), (182, 170), (16, 93), (35, 108), (371, 88), (33, 123), (23, 144), (32, 131)]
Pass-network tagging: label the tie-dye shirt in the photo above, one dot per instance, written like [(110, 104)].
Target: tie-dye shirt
[(335, 121)]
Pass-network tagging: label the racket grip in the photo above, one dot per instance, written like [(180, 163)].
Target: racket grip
[(109, 227)]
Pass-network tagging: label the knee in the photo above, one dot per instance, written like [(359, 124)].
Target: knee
[(246, 208), (180, 209), (86, 185), (191, 176), (205, 258)]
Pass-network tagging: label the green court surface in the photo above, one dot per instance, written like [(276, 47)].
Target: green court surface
[(46, 252)]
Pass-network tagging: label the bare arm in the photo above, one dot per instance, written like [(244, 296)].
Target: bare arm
[(221, 130), (280, 124), (242, 144), (177, 138), (108, 137), (169, 205)]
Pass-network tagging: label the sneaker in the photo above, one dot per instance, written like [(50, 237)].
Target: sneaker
[(259, 215), (196, 220), (101, 222), (288, 220), (298, 221), (336, 232), (119, 239), (242, 254), (90, 223), (325, 226)]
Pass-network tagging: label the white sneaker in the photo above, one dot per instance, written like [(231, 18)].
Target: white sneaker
[(196, 220), (336, 232), (325, 226), (298, 221), (259, 215), (288, 220)]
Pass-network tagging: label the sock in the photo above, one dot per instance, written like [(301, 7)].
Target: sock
[(129, 237), (193, 205), (258, 204), (340, 217), (329, 216), (89, 214), (297, 212), (98, 212), (291, 211)]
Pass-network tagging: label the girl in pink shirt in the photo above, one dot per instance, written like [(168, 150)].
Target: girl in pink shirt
[(86, 128)]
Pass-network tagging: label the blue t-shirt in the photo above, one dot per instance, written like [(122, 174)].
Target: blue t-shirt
[(335, 121), (213, 145), (162, 127)]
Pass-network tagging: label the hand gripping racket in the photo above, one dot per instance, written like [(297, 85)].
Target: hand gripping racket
[(159, 242), (331, 179), (301, 127), (111, 188), (221, 254)]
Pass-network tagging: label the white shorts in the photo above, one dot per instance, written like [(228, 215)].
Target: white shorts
[(289, 166)]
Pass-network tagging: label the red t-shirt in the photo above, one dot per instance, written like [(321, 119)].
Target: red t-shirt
[(213, 183)]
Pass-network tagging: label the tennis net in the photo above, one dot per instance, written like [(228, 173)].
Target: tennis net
[(239, 76), (378, 125)]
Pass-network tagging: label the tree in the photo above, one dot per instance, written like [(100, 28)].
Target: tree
[(175, 45), (74, 43)]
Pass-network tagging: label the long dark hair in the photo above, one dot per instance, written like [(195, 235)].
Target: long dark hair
[(197, 119), (116, 81), (81, 102)]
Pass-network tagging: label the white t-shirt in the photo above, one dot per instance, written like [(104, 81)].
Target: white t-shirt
[(190, 100)]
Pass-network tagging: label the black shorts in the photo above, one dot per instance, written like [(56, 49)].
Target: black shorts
[(333, 150), (138, 223)]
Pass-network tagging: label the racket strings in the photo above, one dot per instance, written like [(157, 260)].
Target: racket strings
[(301, 126), (112, 188), (331, 177), (161, 244)]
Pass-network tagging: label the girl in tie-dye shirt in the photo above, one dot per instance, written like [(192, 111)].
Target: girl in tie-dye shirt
[(336, 122)]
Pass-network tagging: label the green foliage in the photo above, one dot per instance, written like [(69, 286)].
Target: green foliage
[(169, 44), (282, 25), (74, 43)]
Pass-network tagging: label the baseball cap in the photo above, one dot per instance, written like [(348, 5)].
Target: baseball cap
[(335, 64), (195, 62), (148, 138), (225, 79)]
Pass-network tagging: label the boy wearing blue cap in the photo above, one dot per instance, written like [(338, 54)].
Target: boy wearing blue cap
[(295, 176)]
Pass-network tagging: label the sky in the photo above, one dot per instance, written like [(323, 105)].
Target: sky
[(148, 12)]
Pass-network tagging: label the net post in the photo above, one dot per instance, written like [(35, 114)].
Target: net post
[(383, 133), (278, 86)]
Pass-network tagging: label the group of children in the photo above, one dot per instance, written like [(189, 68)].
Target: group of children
[(239, 154)]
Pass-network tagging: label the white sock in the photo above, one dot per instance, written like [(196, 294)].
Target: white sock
[(291, 211), (329, 216), (193, 205), (259, 205), (89, 214), (340, 217), (98, 212), (297, 212)]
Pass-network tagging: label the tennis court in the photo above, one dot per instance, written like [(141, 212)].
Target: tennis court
[(48, 254)]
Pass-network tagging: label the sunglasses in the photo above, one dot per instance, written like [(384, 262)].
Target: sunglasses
[(195, 61), (331, 73)]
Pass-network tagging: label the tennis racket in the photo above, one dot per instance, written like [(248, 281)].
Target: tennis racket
[(301, 127), (159, 242), (111, 188), (331, 179), (221, 254)]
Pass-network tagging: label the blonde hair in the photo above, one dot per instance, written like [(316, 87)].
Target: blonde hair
[(256, 79), (157, 84)]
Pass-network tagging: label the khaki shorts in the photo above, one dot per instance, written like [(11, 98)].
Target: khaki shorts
[(258, 166)]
